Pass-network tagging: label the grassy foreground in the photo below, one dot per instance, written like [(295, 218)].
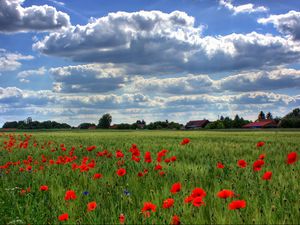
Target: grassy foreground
[(48, 160)]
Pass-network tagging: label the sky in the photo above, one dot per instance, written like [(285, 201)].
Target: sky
[(178, 60)]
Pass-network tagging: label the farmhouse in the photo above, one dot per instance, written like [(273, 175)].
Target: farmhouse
[(196, 124), (262, 124)]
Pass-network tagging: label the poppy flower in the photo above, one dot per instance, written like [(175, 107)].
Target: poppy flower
[(91, 206), (44, 188), (175, 188), (258, 164), (158, 167), (198, 192), (121, 172), (262, 156), (260, 144), (70, 194), (147, 157), (242, 163), (267, 175), (162, 173), (119, 154), (198, 201), (122, 218), (175, 220), (140, 174), (225, 194), (168, 203), (148, 206), (188, 199), (97, 176), (185, 141), (220, 165), (63, 217), (90, 148), (237, 204), (292, 158)]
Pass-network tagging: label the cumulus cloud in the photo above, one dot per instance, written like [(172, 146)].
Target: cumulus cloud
[(90, 78), (246, 8), (27, 73), (279, 78), (11, 61), (15, 18), (288, 23), (165, 41)]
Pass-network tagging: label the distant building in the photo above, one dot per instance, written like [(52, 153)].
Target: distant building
[(196, 124), (262, 124), (92, 127)]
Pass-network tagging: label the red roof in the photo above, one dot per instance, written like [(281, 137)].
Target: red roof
[(197, 123), (262, 123)]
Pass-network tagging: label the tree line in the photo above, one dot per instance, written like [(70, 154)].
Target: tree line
[(291, 120)]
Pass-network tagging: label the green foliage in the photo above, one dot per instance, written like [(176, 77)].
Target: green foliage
[(86, 125), (291, 120), (105, 121), (36, 125)]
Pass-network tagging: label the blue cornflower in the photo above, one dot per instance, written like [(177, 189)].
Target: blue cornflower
[(85, 192), (126, 192)]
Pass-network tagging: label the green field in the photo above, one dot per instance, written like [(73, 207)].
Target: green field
[(274, 201)]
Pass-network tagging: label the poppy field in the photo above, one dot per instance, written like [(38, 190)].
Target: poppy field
[(150, 177)]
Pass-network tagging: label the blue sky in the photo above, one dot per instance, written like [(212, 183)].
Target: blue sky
[(72, 61)]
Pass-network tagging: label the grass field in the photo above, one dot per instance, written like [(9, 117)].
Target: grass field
[(48, 160)]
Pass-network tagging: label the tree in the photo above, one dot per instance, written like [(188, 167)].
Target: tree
[(261, 116), (105, 121), (269, 116)]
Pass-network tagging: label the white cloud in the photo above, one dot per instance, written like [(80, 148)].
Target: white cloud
[(27, 73), (15, 18), (279, 78), (11, 61), (157, 42), (90, 78), (288, 23), (246, 8)]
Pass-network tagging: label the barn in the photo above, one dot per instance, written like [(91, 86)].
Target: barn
[(196, 124), (261, 124)]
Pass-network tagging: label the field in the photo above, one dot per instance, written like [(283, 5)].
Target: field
[(36, 174)]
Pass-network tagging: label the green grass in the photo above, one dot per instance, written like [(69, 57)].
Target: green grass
[(276, 201)]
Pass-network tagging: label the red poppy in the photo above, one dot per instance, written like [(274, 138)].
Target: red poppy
[(162, 173), (225, 194), (70, 194), (267, 175), (242, 163), (237, 204), (173, 158), (185, 141), (148, 206), (63, 217), (140, 174), (198, 192), (91, 206), (175, 220), (220, 165), (121, 172), (119, 154), (97, 175), (188, 199), (158, 167), (122, 218), (168, 203), (175, 188), (258, 164), (198, 201), (91, 148), (292, 158), (44, 188), (260, 144), (147, 157)]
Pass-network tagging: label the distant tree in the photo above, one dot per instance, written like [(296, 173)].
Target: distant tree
[(215, 125), (105, 121), (269, 116), (86, 125), (291, 120), (261, 116), (222, 118)]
